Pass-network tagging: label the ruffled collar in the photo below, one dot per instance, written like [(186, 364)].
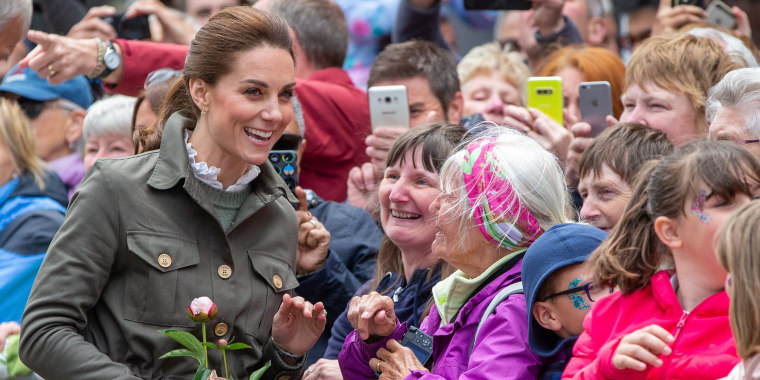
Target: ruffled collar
[(208, 174)]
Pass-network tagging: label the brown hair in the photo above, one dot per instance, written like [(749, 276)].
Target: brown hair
[(680, 63), (633, 252), (737, 246), (214, 50), (148, 137), (437, 141), (17, 135), (624, 148), (423, 59), (595, 63)]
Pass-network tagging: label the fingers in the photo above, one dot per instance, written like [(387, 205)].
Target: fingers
[(610, 120), (383, 354), (301, 195), (317, 236), (369, 315), (100, 11), (742, 22), (643, 347), (393, 345), (659, 332), (580, 129)]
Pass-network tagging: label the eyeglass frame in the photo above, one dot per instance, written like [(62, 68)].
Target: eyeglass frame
[(585, 287)]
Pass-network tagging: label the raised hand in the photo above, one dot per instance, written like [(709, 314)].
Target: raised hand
[(313, 238), (59, 58), (372, 315), (670, 18), (298, 324), (93, 25)]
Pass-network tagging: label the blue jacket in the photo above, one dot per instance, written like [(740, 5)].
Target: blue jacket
[(410, 301), (29, 218), (354, 242)]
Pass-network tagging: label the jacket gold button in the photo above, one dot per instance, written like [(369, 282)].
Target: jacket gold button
[(277, 281), (164, 260), (224, 271), (220, 329)]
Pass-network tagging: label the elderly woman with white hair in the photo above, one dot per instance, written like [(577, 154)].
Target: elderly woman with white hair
[(499, 193), (107, 129), (733, 109)]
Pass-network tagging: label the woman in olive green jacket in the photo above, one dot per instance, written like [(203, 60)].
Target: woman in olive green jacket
[(206, 215)]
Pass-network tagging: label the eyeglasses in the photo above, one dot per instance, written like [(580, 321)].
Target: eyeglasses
[(288, 141), (593, 292), (32, 108), (161, 76)]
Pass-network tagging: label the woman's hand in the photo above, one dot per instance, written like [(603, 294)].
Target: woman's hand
[(395, 362), (379, 143), (642, 347), (172, 28), (541, 128), (372, 315), (669, 18), (362, 188), (7, 329), (60, 58), (92, 24), (298, 324), (323, 369), (313, 238), (579, 145)]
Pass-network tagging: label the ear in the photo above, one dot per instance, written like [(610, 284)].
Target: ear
[(73, 129), (456, 108), (544, 314), (667, 230), (596, 31), (199, 91)]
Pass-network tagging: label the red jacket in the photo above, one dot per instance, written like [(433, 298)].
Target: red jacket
[(704, 347), (336, 114)]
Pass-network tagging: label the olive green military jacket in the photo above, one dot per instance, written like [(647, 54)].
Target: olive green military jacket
[(139, 242)]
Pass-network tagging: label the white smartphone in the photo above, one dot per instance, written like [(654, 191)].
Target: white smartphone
[(595, 102), (388, 106), (720, 14)]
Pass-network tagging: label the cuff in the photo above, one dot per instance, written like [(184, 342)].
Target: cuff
[(370, 350), (279, 368), (606, 368)]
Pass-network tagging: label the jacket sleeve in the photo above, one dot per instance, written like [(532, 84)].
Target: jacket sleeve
[(140, 58), (422, 24), (355, 356), (32, 232), (75, 271), (501, 347)]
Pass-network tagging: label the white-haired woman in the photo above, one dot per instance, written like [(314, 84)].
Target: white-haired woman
[(107, 129), (499, 193), (733, 109)]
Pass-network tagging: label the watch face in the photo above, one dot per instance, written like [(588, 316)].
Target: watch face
[(112, 60)]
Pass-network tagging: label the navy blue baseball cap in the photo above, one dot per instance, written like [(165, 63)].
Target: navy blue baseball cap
[(560, 246), (26, 83)]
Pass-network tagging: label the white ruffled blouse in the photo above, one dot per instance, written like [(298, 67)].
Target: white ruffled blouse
[(208, 174)]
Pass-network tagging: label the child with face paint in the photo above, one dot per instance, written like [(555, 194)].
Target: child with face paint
[(670, 317), (559, 292)]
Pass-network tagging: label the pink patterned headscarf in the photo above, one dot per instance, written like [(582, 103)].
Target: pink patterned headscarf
[(500, 215)]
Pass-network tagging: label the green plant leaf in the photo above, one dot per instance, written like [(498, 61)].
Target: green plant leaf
[(260, 372), (237, 346), (210, 345), (203, 373), (179, 353), (187, 340)]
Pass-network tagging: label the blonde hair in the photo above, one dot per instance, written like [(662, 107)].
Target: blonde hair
[(18, 137), (737, 250), (680, 63), (487, 58)]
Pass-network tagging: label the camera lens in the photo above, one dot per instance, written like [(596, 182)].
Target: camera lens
[(274, 158), (387, 99)]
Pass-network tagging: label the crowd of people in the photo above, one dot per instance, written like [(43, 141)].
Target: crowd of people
[(229, 152)]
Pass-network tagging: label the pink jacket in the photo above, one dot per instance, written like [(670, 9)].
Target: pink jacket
[(704, 347)]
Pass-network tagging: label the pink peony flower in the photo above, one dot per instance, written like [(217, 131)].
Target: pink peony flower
[(202, 309), (222, 343)]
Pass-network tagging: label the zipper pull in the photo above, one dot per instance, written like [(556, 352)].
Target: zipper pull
[(395, 294), (679, 326)]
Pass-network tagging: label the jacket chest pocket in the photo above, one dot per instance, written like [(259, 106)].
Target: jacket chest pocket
[(162, 278), (273, 277)]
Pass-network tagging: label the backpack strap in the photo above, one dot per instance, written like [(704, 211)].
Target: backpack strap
[(515, 288)]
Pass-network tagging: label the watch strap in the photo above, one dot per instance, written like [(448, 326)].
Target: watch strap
[(100, 66)]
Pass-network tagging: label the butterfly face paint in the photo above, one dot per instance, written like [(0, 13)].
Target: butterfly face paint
[(697, 207), (578, 301)]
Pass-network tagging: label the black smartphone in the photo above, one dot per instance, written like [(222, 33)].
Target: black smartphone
[(136, 28), (284, 162), (498, 4), (699, 3)]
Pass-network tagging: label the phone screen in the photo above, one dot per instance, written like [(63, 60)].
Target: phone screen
[(498, 4)]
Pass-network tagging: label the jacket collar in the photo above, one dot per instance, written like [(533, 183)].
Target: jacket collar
[(666, 298), (332, 74)]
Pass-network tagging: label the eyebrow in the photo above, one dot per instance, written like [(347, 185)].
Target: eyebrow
[(265, 85)]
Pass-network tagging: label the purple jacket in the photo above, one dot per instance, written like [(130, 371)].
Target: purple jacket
[(500, 351)]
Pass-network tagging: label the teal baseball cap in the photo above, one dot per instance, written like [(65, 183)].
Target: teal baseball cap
[(26, 83)]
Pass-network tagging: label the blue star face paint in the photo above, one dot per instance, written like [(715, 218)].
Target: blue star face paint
[(697, 207), (577, 298)]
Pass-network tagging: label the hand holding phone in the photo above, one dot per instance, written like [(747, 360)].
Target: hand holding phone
[(720, 14), (285, 163), (136, 28), (545, 95), (388, 106), (595, 102)]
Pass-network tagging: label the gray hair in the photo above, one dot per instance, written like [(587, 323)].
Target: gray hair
[(488, 58), (110, 116), (733, 46), (533, 172), (298, 115), (320, 28), (10, 9), (739, 90)]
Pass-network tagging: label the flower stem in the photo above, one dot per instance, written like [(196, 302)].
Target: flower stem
[(224, 356), (205, 349)]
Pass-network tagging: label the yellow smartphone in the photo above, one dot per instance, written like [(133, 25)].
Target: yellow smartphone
[(545, 95)]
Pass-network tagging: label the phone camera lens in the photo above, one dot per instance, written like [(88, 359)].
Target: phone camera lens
[(387, 99), (288, 157), (274, 158)]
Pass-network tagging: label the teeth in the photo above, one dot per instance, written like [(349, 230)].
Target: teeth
[(256, 132), (403, 215)]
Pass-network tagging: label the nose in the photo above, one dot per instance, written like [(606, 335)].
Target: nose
[(495, 105), (637, 115), (272, 112), (589, 211), (436, 205), (399, 192)]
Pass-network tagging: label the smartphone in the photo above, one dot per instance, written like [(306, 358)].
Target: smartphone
[(285, 163), (135, 28), (545, 95), (595, 102), (420, 343), (498, 4), (699, 3), (720, 14), (388, 106)]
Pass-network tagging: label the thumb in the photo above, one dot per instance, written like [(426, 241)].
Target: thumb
[(611, 120), (101, 11), (665, 4), (42, 39), (302, 203)]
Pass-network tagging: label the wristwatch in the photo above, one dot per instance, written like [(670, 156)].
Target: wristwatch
[(111, 60)]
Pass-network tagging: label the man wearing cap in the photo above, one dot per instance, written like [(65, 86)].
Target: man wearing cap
[(56, 113)]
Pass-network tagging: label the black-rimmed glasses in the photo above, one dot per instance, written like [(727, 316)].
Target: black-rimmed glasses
[(593, 292)]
